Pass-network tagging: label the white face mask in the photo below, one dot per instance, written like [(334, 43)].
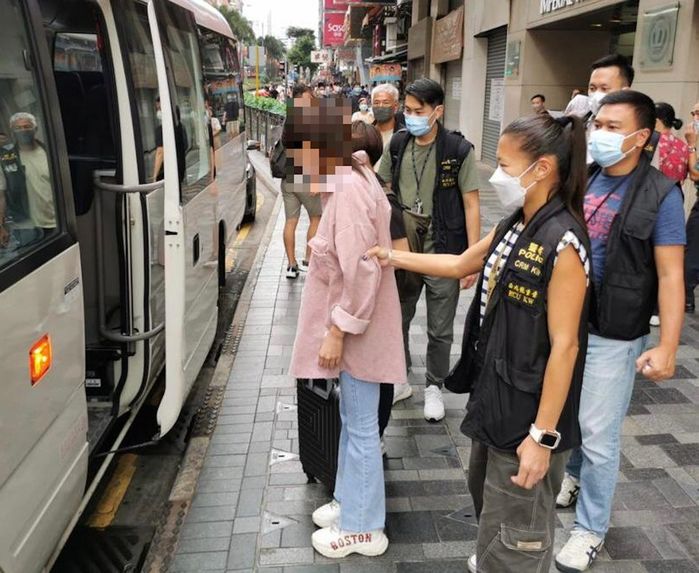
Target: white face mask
[(509, 188), (595, 99)]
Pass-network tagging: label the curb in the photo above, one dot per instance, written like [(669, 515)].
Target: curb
[(166, 538)]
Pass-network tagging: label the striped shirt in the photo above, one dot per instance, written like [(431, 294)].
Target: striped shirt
[(502, 252)]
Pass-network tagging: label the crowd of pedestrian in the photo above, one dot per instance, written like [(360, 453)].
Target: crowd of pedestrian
[(567, 285)]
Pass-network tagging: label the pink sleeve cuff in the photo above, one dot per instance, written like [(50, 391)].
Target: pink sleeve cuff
[(346, 322)]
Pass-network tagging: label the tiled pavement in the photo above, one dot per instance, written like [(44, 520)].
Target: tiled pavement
[(252, 508)]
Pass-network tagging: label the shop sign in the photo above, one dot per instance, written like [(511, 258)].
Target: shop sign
[(548, 6), (448, 37), (658, 40), (321, 56), (333, 29), (345, 54), (497, 99), (385, 73)]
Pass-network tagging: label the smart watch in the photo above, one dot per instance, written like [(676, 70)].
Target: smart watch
[(548, 439)]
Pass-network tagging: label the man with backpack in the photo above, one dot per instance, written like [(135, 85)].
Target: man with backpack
[(433, 173)]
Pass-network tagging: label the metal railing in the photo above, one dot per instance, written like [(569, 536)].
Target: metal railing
[(263, 126)]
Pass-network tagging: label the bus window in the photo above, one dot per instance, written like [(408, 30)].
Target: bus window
[(192, 139), (28, 214)]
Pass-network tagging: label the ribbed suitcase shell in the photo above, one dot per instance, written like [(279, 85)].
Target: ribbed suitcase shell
[(319, 428)]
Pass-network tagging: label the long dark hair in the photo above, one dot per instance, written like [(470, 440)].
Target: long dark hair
[(666, 114), (564, 138)]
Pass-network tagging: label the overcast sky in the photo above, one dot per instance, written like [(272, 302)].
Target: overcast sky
[(285, 13)]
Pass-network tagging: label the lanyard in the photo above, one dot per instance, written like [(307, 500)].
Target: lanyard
[(606, 197), (424, 165)]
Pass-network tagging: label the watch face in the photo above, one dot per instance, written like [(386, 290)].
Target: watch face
[(548, 440)]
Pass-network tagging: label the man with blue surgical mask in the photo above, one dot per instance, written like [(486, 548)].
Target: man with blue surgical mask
[(635, 220), (433, 172)]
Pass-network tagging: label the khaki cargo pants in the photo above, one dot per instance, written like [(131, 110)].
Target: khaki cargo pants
[(515, 525)]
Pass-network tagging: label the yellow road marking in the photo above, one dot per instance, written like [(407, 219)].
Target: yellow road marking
[(241, 236), (114, 493)]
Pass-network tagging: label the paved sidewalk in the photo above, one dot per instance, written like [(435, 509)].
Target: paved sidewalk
[(252, 508)]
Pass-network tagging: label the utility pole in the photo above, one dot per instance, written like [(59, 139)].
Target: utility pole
[(257, 69)]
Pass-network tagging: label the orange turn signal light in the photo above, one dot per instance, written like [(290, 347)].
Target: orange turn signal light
[(40, 359)]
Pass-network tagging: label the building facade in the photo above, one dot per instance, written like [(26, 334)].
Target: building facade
[(513, 49)]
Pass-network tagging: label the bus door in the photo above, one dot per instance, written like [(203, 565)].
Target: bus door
[(191, 266)]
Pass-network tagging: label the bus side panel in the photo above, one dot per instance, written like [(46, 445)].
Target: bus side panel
[(43, 442), (230, 177)]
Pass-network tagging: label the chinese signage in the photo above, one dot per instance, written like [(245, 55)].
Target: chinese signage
[(497, 99), (548, 6), (333, 29), (321, 57), (659, 30), (448, 37), (385, 73)]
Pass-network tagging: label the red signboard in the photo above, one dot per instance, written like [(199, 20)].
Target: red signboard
[(339, 4), (333, 33)]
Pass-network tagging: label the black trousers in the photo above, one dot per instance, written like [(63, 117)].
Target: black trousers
[(385, 405), (691, 255)]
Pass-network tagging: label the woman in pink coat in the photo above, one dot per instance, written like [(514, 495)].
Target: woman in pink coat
[(349, 323)]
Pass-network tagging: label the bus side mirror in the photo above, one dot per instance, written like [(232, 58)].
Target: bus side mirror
[(253, 145)]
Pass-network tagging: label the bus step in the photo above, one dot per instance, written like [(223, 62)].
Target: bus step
[(116, 549)]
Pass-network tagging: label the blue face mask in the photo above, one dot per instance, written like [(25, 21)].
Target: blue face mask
[(418, 125), (605, 147)]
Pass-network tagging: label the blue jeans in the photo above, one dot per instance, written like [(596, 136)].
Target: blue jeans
[(359, 485), (608, 381)]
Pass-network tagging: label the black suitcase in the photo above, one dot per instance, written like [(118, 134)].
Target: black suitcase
[(319, 428)]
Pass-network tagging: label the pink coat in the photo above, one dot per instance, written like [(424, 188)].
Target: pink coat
[(358, 296)]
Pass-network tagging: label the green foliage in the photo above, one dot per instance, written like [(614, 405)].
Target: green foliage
[(275, 48), (264, 103), (296, 32), (241, 26), (300, 52)]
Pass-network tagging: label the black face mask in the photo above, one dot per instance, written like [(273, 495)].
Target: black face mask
[(382, 114), (24, 136)]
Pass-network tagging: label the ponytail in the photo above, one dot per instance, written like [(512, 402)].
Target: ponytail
[(564, 138), (666, 114)]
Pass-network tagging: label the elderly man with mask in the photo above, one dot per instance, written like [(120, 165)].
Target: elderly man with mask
[(384, 103)]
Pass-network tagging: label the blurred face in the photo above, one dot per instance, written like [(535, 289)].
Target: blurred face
[(537, 105), (606, 80), (621, 118)]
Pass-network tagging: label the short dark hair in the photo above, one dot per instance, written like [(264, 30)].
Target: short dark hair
[(299, 89), (616, 61), (426, 91), (543, 98), (643, 106), (666, 114), (365, 137)]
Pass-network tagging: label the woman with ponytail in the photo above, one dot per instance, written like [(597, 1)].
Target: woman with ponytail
[(524, 340), (673, 153)]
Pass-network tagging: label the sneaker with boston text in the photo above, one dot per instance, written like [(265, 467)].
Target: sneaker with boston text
[(327, 515), (434, 404), (570, 489), (579, 552), (334, 543)]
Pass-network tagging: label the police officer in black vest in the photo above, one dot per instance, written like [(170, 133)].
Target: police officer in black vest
[(524, 340), (635, 220)]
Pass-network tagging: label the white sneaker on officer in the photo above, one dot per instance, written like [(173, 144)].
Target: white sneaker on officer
[(334, 543), (402, 392), (434, 404), (327, 515), (472, 564), (579, 552), (570, 489)]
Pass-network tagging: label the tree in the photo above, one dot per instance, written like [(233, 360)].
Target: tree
[(274, 47), (241, 26), (300, 52), (297, 33)]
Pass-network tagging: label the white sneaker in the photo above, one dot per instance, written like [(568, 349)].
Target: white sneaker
[(303, 266), (333, 543), (383, 448), (579, 552), (327, 515), (292, 272), (402, 392), (655, 320), (570, 489), (471, 563), (434, 404)]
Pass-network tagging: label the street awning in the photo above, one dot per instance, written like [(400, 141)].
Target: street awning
[(399, 56)]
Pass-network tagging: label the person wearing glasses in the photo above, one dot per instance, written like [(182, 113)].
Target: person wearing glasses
[(691, 260)]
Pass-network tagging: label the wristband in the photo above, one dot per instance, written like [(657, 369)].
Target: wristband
[(692, 149)]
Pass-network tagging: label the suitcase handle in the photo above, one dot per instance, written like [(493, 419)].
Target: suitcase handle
[(322, 387)]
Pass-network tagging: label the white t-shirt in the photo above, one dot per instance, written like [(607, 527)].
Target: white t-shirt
[(386, 137), (365, 116), (42, 208)]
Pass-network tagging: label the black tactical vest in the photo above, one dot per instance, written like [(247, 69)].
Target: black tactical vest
[(503, 361), (448, 214), (623, 304), (16, 200)]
